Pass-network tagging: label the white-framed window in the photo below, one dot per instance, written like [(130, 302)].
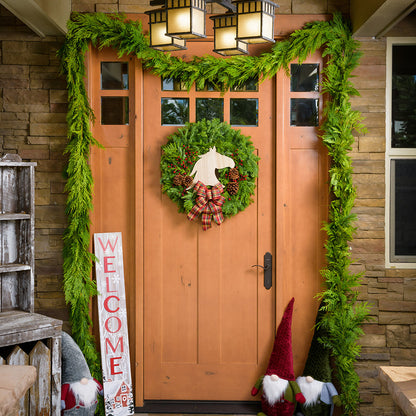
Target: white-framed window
[(401, 153)]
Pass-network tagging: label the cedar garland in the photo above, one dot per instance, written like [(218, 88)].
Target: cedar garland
[(343, 316)]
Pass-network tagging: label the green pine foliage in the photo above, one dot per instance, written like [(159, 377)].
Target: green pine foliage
[(343, 315)]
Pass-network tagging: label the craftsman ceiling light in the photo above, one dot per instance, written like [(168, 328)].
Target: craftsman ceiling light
[(225, 32), (247, 21), (255, 20), (186, 18), (158, 38)]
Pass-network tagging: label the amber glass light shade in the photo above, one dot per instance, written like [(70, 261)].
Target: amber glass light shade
[(225, 33), (186, 18), (255, 20), (157, 29)]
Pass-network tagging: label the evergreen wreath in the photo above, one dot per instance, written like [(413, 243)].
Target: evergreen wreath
[(181, 152), (343, 314)]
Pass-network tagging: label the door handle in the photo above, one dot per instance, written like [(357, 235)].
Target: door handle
[(268, 270)]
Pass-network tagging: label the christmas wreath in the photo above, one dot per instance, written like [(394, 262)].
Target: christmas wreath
[(236, 182)]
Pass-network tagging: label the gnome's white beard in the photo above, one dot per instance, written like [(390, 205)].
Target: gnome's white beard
[(274, 389), (86, 393), (311, 390)]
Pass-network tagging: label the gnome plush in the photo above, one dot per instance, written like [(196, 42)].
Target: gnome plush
[(79, 390), (280, 390), (315, 383)]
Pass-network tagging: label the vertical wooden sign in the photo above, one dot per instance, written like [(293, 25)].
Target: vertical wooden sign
[(114, 341)]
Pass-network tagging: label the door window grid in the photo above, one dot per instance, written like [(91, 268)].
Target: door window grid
[(242, 111), (114, 76), (400, 155)]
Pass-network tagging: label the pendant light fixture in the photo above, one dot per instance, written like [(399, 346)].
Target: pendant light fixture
[(246, 21), (158, 38), (186, 18), (255, 20), (225, 35)]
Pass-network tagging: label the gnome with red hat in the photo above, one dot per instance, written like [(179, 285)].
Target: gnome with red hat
[(280, 390)]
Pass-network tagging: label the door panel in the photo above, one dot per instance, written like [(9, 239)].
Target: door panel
[(208, 319)]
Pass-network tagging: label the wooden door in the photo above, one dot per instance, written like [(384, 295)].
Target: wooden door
[(201, 323), (208, 320)]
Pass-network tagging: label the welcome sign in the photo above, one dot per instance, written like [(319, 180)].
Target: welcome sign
[(115, 354)]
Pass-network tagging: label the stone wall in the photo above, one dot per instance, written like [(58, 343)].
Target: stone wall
[(390, 335), (33, 105)]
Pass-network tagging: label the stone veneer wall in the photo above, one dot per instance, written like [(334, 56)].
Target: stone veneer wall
[(32, 123), (33, 105)]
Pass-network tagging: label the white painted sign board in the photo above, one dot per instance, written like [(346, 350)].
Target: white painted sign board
[(114, 341)]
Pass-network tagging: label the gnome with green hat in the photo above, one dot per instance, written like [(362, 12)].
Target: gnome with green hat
[(315, 384)]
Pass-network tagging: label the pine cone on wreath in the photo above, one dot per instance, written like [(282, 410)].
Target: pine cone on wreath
[(187, 181), (178, 179), (234, 174), (232, 188)]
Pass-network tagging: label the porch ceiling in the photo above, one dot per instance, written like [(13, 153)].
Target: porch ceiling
[(374, 18), (44, 17)]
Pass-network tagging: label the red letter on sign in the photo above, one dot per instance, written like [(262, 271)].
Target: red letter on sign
[(107, 264), (108, 244), (107, 308), (113, 365), (109, 344)]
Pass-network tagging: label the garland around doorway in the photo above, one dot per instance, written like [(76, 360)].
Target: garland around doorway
[(343, 315)]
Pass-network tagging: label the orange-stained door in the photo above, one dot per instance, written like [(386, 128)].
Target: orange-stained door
[(208, 319), (201, 323)]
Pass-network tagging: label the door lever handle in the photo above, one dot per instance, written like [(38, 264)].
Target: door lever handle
[(268, 270)]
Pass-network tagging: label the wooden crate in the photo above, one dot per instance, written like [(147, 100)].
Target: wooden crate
[(33, 339)]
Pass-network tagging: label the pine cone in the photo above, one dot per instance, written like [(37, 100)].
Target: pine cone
[(187, 181), (232, 188), (178, 179), (234, 174)]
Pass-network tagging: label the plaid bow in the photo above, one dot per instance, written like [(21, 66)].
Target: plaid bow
[(208, 202)]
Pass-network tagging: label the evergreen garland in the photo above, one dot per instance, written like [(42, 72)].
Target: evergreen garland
[(181, 152), (343, 315)]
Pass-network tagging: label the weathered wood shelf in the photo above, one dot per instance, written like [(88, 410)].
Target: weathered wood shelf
[(9, 268), (14, 216)]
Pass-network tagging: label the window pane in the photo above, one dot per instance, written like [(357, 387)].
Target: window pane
[(208, 86), (304, 77), (114, 76), (403, 121), (175, 111), (209, 108), (170, 84), (304, 111), (251, 84), (115, 110), (244, 111), (404, 218)]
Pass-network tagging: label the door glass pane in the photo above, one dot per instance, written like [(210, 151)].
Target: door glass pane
[(209, 108), (251, 84), (170, 84), (404, 218), (244, 111), (304, 111), (208, 86), (175, 111), (403, 120), (304, 77), (114, 76), (115, 110)]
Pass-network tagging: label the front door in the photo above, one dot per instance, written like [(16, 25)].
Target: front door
[(201, 322)]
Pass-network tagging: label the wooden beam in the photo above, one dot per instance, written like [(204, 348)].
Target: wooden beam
[(374, 18), (44, 17)]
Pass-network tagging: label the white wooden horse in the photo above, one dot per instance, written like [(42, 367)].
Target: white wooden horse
[(204, 168)]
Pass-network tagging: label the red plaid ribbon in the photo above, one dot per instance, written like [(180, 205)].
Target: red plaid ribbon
[(208, 203)]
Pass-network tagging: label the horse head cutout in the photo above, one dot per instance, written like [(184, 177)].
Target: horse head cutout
[(204, 168)]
